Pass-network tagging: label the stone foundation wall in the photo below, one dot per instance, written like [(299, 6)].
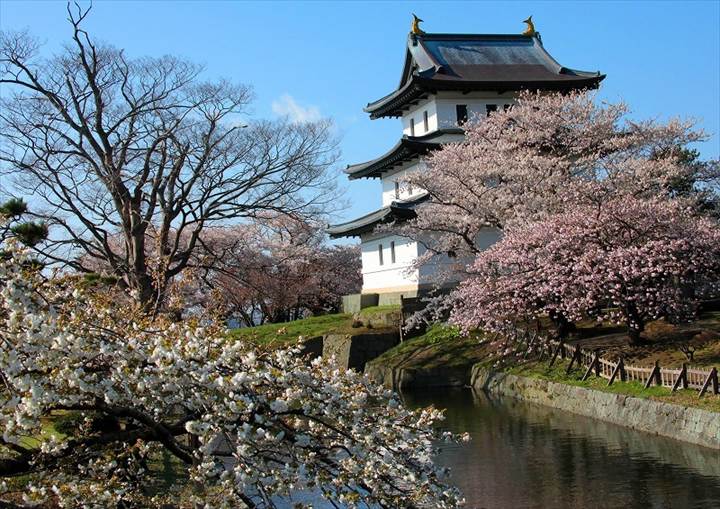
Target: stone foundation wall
[(692, 425)]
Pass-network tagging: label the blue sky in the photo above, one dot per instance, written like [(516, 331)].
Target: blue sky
[(331, 58)]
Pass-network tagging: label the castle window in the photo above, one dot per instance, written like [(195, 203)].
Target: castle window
[(412, 127), (490, 108), (397, 189), (426, 122), (380, 254), (392, 252), (461, 113)]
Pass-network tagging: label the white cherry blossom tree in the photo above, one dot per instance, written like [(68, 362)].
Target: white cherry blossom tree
[(143, 387)]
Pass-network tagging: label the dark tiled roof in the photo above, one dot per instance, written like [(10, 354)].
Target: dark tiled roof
[(470, 62), (397, 210), (407, 149)]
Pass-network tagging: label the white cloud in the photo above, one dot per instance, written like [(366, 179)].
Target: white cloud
[(286, 105)]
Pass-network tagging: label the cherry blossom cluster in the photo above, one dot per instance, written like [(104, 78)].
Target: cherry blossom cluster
[(546, 153), (627, 260), (251, 427)]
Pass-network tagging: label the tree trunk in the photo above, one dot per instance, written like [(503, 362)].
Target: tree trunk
[(563, 327), (147, 294), (635, 324)]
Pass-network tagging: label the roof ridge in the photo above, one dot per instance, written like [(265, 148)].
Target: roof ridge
[(466, 35)]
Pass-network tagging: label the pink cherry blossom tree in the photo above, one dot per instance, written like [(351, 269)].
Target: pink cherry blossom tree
[(549, 152), (627, 261), (276, 269)]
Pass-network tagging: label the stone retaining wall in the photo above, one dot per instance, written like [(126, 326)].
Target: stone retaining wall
[(692, 425), (401, 378), (354, 351)]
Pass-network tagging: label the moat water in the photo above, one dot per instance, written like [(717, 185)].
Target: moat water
[(529, 456)]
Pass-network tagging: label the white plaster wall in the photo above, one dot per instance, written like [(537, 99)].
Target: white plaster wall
[(390, 275), (388, 184), (398, 276), (442, 113), (477, 107), (416, 113), (428, 272)]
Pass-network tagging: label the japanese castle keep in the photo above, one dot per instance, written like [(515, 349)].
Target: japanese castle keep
[(446, 79)]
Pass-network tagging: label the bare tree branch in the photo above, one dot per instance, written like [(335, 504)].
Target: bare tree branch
[(144, 149)]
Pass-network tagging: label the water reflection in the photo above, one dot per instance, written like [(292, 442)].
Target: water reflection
[(527, 456)]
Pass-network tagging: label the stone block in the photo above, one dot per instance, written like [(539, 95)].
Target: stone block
[(354, 351)]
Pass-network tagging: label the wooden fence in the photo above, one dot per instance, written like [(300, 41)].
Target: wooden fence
[(592, 361)]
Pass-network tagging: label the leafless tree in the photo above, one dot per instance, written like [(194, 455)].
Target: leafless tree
[(146, 150)]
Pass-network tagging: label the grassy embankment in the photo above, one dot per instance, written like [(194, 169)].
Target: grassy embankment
[(439, 346), (687, 397), (445, 346)]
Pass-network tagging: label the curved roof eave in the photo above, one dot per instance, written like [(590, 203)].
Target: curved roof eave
[(406, 147), (397, 210), (393, 104)]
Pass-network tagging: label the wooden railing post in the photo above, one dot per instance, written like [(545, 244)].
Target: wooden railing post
[(681, 379), (557, 351), (531, 342), (575, 357), (619, 368), (712, 378), (654, 375), (595, 362)]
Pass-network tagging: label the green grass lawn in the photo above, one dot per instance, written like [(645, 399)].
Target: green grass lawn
[(48, 430), (445, 346), (379, 309), (290, 331)]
